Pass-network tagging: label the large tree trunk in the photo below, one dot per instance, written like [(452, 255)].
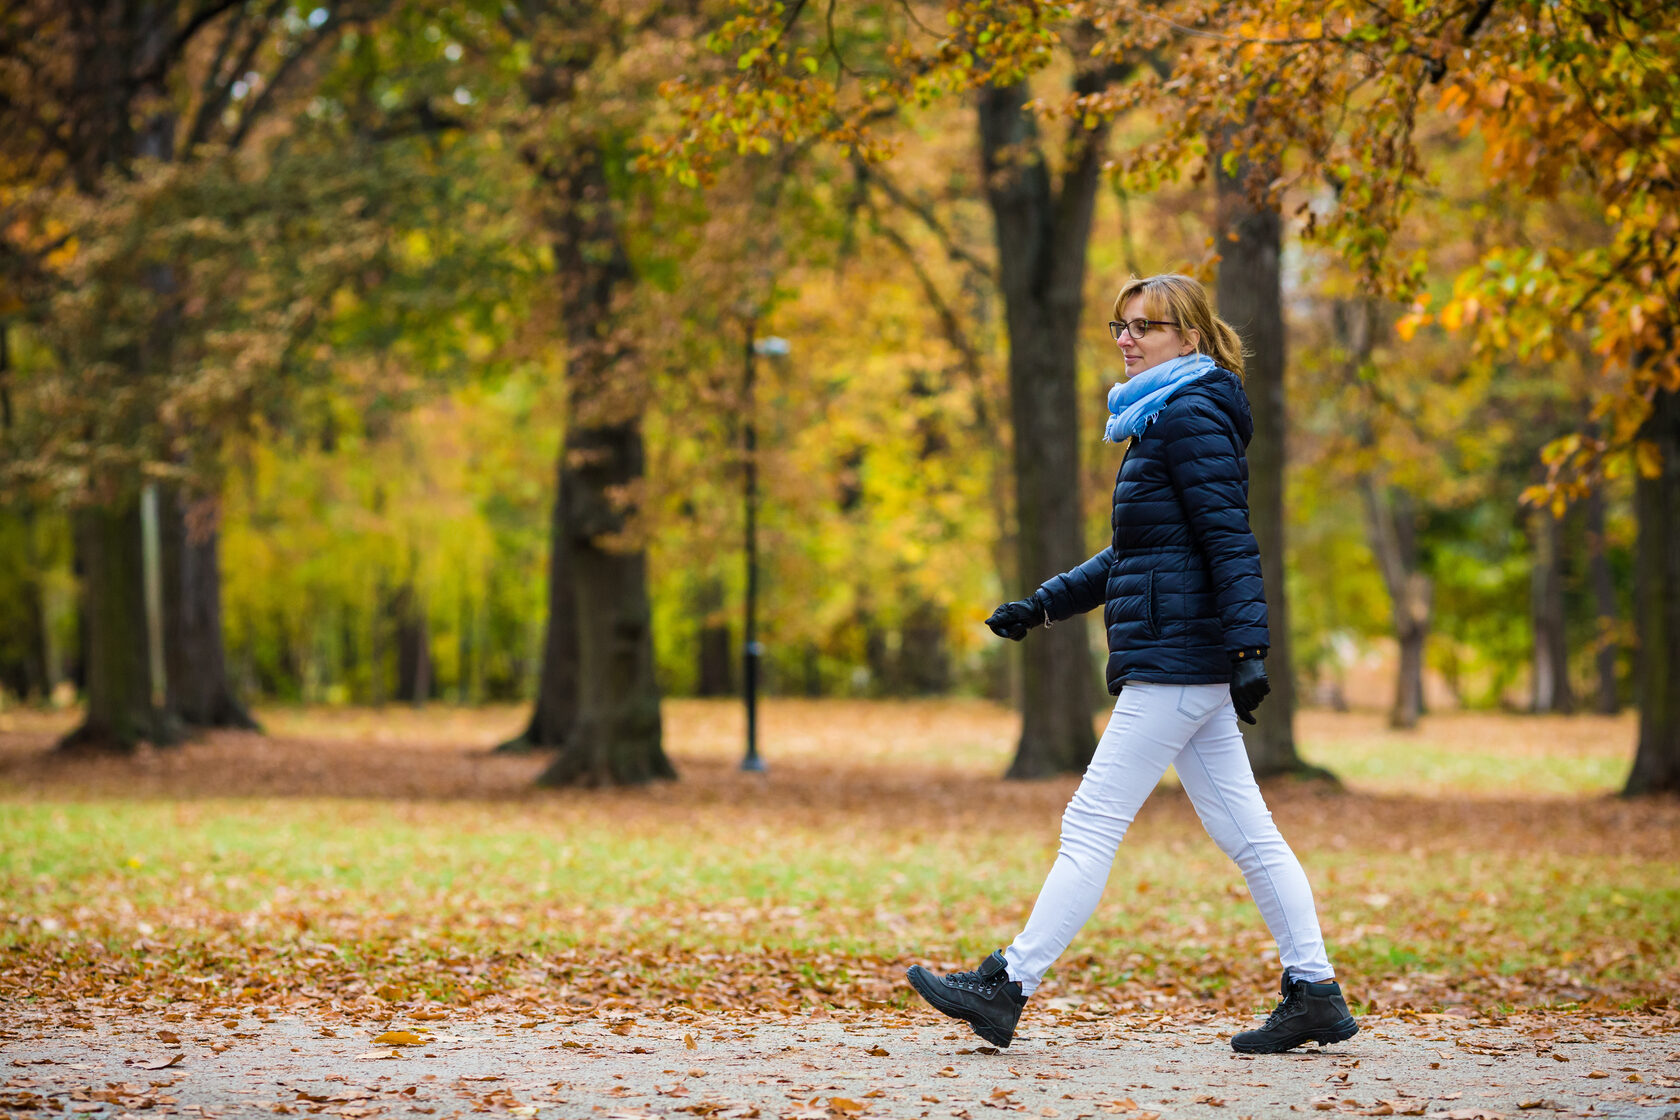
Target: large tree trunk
[(1393, 529), (1250, 296), (1656, 764), (1041, 238), (200, 693), (1550, 690), (1605, 651), (615, 736), (557, 681), (120, 709)]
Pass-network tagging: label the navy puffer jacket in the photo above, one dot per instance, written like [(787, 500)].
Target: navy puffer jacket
[(1180, 581)]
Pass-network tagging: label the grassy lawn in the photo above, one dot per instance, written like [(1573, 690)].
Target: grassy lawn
[(385, 855)]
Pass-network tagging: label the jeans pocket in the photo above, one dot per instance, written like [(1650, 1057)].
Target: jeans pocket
[(1197, 701)]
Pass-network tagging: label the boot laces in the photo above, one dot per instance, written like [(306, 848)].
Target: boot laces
[(1291, 999)]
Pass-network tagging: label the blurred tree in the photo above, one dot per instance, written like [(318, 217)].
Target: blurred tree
[(597, 695), (194, 230), (98, 91)]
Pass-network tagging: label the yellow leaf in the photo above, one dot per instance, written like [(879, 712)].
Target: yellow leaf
[(1649, 459), (399, 1038), (688, 1041)]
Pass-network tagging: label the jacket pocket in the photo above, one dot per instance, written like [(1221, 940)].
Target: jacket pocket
[(1151, 609)]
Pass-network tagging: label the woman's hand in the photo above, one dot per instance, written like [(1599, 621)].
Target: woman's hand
[(1013, 620), (1249, 686)]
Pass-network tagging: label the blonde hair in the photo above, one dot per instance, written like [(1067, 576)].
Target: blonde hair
[(1183, 300)]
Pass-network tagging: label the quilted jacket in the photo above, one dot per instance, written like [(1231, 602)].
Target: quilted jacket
[(1179, 583)]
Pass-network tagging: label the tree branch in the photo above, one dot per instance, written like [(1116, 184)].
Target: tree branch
[(953, 249), (153, 70)]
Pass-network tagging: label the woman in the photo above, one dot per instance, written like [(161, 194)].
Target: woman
[(1185, 611)]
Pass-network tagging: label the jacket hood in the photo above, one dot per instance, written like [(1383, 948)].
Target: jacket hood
[(1224, 388)]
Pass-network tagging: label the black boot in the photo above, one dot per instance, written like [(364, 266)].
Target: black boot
[(986, 999), (1308, 1013)]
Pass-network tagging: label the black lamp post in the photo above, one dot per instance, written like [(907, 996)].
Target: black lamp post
[(751, 649)]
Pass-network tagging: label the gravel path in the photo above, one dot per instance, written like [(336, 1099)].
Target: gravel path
[(878, 1065)]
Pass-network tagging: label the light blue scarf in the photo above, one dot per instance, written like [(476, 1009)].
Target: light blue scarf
[(1135, 403)]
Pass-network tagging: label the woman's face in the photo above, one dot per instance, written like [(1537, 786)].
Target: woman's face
[(1158, 344)]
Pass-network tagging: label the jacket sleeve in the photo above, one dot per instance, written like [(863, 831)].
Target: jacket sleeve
[(1078, 591), (1204, 459)]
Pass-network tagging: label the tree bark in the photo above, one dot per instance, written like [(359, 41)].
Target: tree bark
[(1042, 234), (1250, 296), (1605, 650), (557, 681), (1393, 529), (120, 711), (1656, 763), (200, 692), (414, 647), (716, 667), (615, 734), (616, 738), (1549, 691)]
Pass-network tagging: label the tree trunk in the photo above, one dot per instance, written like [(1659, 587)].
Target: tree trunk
[(1605, 651), (557, 680), (1656, 763), (120, 710), (199, 689), (1250, 295), (924, 667), (716, 668), (615, 735), (1392, 525), (414, 647), (1042, 234), (1549, 690), (616, 738)]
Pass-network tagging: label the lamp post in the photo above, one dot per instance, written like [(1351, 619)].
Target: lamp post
[(751, 649)]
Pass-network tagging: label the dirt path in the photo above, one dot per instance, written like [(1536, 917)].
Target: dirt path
[(879, 1065)]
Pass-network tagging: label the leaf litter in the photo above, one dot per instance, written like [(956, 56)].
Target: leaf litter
[(1451, 915)]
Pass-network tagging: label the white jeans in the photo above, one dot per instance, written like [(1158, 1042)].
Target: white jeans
[(1155, 726)]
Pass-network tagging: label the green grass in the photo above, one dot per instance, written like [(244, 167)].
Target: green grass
[(724, 888)]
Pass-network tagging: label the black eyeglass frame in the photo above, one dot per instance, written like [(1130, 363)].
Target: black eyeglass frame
[(1114, 328)]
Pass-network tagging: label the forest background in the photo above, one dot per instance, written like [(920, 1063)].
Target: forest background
[(399, 352)]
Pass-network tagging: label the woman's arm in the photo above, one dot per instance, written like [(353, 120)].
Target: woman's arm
[(1075, 592), (1203, 457)]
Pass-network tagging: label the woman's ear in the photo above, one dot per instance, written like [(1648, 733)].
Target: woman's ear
[(1194, 338)]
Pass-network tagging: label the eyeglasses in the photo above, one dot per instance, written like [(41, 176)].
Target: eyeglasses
[(1137, 328)]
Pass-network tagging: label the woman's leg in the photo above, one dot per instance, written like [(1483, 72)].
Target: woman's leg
[(1215, 771), (1144, 735)]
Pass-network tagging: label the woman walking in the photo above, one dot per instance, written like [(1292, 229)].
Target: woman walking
[(1185, 611)]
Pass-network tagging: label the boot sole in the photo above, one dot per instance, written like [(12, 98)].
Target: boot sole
[(985, 1028), (1324, 1036)]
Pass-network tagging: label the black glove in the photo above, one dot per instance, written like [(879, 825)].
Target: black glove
[(1013, 620), (1248, 686)]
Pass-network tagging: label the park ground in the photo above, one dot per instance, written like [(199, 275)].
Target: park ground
[(366, 913)]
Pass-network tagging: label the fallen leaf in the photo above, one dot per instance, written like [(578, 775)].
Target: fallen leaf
[(378, 1056), (155, 1063), (399, 1038), (1597, 1074), (688, 1041), (845, 1104), (877, 1052)]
